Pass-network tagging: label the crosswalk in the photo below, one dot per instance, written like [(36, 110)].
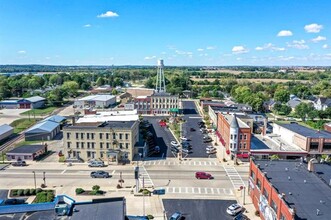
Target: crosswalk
[(234, 177), (189, 163), (199, 190), (144, 178)]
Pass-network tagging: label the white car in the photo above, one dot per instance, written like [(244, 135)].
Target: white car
[(210, 148), (234, 209), (187, 151), (183, 138), (211, 151), (174, 143)]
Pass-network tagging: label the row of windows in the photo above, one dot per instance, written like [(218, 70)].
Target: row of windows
[(93, 154), (234, 137), (240, 145), (91, 145), (265, 193), (91, 136)]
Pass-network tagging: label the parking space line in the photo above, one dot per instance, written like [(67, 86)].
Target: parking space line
[(63, 171), (186, 190), (113, 172), (205, 163), (212, 191), (199, 190), (206, 191), (179, 189), (218, 191)]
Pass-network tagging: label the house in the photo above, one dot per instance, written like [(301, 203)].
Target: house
[(97, 101), (27, 103), (269, 105), (322, 103), (43, 131), (26, 152), (293, 103), (5, 131)]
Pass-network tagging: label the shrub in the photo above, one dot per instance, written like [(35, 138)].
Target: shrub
[(257, 213), (20, 192), (79, 191), (62, 159), (26, 192), (93, 192), (224, 160), (150, 217), (50, 197), (44, 197), (38, 190), (32, 192), (96, 188)]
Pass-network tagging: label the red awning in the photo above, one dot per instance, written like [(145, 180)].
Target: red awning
[(243, 155)]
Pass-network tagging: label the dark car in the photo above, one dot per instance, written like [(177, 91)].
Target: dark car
[(207, 140), (99, 174), (201, 123), (192, 129), (13, 202), (19, 163), (203, 175)]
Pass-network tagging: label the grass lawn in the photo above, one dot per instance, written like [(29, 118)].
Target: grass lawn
[(299, 122), (39, 112), (22, 124), (27, 143)]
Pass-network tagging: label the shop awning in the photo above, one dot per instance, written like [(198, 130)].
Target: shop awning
[(176, 110)]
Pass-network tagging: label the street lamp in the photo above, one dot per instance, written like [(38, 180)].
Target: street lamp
[(35, 182), (44, 178)]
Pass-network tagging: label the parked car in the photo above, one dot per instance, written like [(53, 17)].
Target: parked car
[(184, 138), (174, 143), (176, 216), (185, 150), (99, 174), (13, 202), (213, 151), (207, 140), (95, 163), (203, 175), (19, 163), (187, 146), (157, 149), (210, 147), (234, 209), (241, 217), (192, 129), (201, 123)]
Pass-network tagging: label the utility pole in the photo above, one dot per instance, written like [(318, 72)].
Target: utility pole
[(44, 178), (144, 196), (35, 182)]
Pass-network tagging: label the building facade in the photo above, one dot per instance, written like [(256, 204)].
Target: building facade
[(111, 141), (27, 103), (5, 131), (234, 134), (164, 103), (96, 101), (26, 152), (143, 104)]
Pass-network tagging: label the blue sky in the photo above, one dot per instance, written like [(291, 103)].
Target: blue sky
[(182, 32)]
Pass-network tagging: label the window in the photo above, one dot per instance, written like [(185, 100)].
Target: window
[(82, 145), (77, 145), (101, 154), (68, 144), (231, 145), (231, 136), (266, 194), (107, 136), (88, 153), (244, 145), (126, 136), (101, 145), (100, 135), (121, 145), (258, 184), (245, 137), (253, 175), (107, 145), (88, 135), (241, 137), (88, 145), (121, 136), (234, 145), (235, 137), (77, 135), (114, 136), (92, 145), (240, 145), (92, 136), (127, 145), (274, 206), (68, 135), (82, 135)]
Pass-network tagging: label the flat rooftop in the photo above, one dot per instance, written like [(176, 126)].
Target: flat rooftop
[(103, 118), (304, 190), (107, 124), (26, 149), (307, 132), (229, 118), (272, 143)]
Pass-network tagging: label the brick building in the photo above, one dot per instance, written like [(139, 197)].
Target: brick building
[(287, 190), (315, 142), (143, 104), (234, 134)]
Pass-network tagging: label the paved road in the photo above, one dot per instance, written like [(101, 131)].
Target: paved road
[(192, 117)]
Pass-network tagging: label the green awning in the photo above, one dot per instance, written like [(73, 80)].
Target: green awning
[(174, 110)]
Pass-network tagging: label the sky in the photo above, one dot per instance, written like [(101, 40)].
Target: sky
[(182, 32)]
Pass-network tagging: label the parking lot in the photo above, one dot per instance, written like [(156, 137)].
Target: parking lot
[(197, 209)]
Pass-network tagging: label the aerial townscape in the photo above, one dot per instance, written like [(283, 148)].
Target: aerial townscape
[(165, 110)]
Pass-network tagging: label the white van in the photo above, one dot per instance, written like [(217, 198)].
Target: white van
[(96, 164)]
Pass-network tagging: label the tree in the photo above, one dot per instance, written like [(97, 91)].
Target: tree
[(303, 109), (277, 107), (100, 81), (282, 95), (286, 109), (55, 97), (114, 92), (71, 87)]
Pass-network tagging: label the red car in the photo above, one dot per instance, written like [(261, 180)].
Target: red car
[(203, 175)]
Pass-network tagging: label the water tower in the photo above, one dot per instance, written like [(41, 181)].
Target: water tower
[(160, 82)]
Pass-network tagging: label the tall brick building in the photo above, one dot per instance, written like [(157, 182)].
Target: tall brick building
[(287, 190), (235, 134)]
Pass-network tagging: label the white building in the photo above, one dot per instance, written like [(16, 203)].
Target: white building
[(97, 101)]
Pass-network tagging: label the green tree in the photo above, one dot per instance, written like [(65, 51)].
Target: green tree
[(286, 109), (282, 95), (71, 87), (277, 107), (100, 81), (114, 92), (303, 109)]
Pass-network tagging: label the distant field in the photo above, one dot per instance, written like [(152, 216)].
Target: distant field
[(237, 72), (254, 80)]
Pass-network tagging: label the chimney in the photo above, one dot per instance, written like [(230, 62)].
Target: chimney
[(73, 120), (311, 165)]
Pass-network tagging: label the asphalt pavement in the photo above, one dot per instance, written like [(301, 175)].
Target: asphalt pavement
[(192, 117), (196, 209)]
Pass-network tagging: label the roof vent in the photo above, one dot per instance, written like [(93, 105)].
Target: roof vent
[(322, 202), (289, 193), (266, 164), (305, 181), (286, 169), (289, 178), (317, 211)]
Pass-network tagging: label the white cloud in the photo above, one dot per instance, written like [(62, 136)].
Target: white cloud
[(108, 14), (325, 46), (150, 58), (47, 58), (21, 52), (270, 46), (210, 48), (87, 25), (313, 28), (298, 44), (163, 52), (200, 49), (318, 39), (180, 52), (203, 55), (284, 33), (239, 49)]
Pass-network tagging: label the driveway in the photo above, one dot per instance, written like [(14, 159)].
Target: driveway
[(7, 116), (192, 117), (197, 209)]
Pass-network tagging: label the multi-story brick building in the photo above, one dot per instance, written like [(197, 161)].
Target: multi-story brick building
[(235, 134), (164, 103), (315, 142), (109, 141), (143, 104), (287, 190)]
